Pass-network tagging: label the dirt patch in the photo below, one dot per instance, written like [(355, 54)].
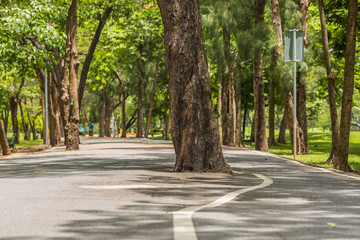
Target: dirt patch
[(25, 150)]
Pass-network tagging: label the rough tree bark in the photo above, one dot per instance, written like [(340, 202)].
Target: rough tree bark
[(90, 53), (152, 98), (227, 100), (341, 155), (194, 132), (69, 96), (3, 140), (331, 77), (301, 80), (259, 99)]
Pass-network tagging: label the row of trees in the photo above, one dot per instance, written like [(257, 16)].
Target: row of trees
[(118, 47)]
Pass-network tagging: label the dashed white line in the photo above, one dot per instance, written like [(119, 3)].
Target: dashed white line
[(182, 219)]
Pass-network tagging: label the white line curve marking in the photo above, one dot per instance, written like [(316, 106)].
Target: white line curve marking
[(182, 219)]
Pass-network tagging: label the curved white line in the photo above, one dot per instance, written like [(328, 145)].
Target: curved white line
[(182, 219)]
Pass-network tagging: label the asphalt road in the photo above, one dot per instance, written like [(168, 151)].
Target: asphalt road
[(127, 190)]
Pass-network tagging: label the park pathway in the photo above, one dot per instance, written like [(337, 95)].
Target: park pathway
[(125, 189)]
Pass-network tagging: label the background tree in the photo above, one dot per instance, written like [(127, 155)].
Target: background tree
[(341, 155)]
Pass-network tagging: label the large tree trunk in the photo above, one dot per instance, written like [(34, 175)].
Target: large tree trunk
[(227, 100), (341, 155), (194, 132), (69, 96), (90, 53), (331, 76), (152, 99), (259, 99), (24, 123), (282, 132), (139, 120), (301, 80), (3, 140)]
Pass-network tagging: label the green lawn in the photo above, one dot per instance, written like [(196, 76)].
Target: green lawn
[(320, 147), (26, 144)]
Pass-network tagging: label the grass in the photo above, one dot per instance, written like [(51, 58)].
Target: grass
[(320, 147), (32, 145)]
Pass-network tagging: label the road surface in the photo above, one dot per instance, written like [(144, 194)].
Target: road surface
[(125, 189)]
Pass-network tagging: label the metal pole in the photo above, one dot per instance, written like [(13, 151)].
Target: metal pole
[(46, 111), (294, 51)]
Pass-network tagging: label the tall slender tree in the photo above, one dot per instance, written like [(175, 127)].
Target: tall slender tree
[(301, 79), (331, 77), (341, 154), (259, 98), (194, 132)]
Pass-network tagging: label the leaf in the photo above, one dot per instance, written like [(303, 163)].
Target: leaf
[(332, 224)]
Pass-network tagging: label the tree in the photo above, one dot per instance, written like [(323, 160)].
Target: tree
[(153, 93), (331, 77), (259, 101), (69, 95), (90, 53), (195, 136), (341, 155), (285, 89), (4, 143), (301, 79)]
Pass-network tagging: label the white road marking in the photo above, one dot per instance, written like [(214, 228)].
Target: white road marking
[(182, 219), (118, 187)]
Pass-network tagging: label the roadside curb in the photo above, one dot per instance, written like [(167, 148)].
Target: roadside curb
[(329, 170)]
